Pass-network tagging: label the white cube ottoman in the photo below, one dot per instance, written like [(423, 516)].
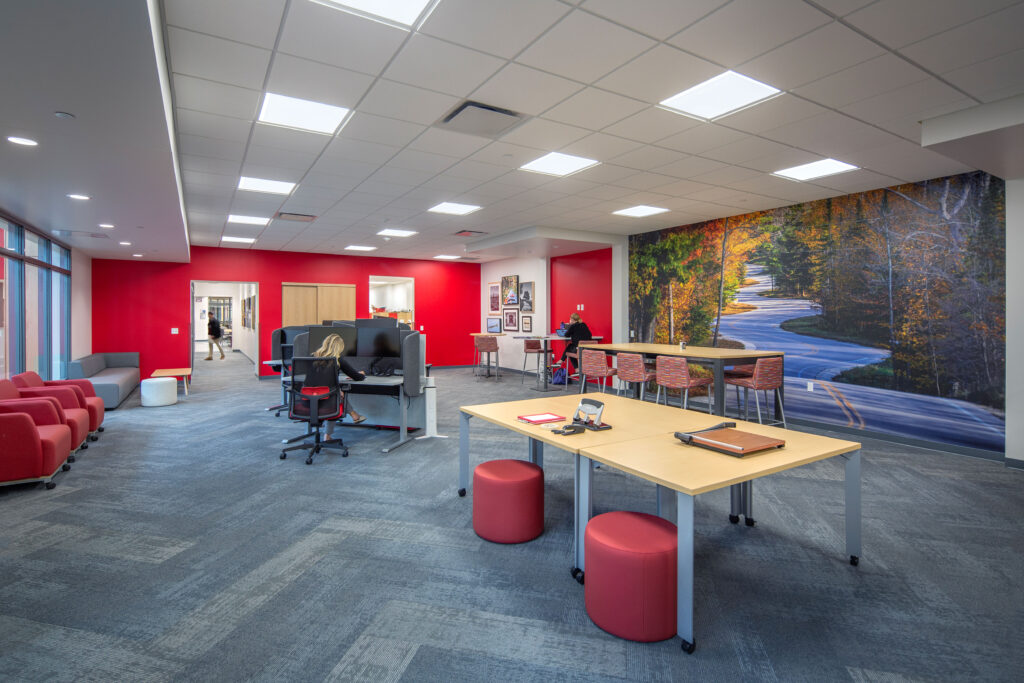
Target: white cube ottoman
[(159, 391)]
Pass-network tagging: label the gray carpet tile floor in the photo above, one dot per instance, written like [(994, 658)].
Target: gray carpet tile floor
[(179, 547)]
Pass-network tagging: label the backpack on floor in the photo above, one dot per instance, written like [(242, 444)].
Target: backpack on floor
[(558, 377)]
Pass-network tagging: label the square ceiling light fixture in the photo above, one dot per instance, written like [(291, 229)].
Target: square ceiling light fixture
[(640, 211), (815, 169), (454, 209), (446, 257), (559, 164), (357, 247), (247, 220), (395, 232), (291, 112), (264, 185), (240, 240), (401, 13), (724, 94)]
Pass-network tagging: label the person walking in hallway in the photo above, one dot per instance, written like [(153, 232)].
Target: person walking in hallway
[(213, 334)]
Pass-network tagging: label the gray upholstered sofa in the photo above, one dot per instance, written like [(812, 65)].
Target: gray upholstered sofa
[(114, 375)]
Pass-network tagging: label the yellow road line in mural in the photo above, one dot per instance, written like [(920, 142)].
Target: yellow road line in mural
[(856, 414), (842, 406), (853, 415)]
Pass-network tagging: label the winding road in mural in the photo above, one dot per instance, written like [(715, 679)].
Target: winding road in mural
[(811, 363)]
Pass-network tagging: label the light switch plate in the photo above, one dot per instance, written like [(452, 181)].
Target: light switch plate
[(174, 330)]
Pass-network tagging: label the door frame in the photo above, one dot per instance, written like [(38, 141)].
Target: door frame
[(256, 318)]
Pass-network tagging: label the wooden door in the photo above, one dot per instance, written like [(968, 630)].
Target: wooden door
[(299, 305), (336, 302)]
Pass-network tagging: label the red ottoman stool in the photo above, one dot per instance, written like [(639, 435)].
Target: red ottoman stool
[(508, 501), (630, 579)]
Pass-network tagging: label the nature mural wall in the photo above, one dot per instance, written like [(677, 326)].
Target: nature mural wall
[(889, 304)]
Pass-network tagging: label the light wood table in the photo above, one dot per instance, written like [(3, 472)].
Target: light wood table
[(184, 373)]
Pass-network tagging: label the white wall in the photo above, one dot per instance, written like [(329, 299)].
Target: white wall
[(243, 339), (536, 270), (81, 304), (1014, 321), (397, 296), (200, 308)]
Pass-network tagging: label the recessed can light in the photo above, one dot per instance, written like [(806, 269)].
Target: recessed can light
[(79, 197), (25, 142)]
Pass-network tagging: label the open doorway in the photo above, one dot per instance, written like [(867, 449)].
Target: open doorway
[(393, 297), (234, 305)]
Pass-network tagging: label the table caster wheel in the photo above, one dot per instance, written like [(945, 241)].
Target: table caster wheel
[(689, 647), (50, 485), (65, 467), (854, 560), (734, 519), (309, 460), (71, 458), (577, 574), (750, 522), (283, 455), (344, 453), (462, 493), (100, 429)]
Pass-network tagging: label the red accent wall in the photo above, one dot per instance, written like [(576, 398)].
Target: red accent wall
[(583, 279), (136, 303)]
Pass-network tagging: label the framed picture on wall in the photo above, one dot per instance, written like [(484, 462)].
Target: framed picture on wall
[(494, 325), (509, 291), (526, 297), (527, 323), (494, 297), (511, 320)]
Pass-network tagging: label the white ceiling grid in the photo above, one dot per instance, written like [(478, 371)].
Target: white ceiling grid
[(858, 78)]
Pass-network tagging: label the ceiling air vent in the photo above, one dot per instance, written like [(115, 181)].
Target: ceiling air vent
[(67, 234), (300, 217), (470, 233), (477, 118)]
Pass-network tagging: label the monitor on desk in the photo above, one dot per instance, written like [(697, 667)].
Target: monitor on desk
[(379, 342), (318, 333), (562, 329)]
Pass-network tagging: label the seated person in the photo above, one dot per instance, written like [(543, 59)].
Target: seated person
[(333, 347), (577, 332)]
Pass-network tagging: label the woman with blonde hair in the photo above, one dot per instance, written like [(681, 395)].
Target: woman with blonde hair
[(333, 347), (576, 332)]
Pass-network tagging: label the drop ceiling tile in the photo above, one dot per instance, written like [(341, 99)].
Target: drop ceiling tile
[(651, 124), (860, 180), (727, 176), (775, 112), (390, 191), (993, 79), (360, 150), (774, 186), (215, 98), (907, 161), (525, 90), (744, 29), (308, 80), (213, 126), (829, 133), (422, 161), (906, 103), (327, 35), (647, 158), (787, 157), (743, 150), (216, 59), (841, 8), (601, 147), (437, 141), (644, 181), (606, 192), (977, 41), (255, 23), (689, 167), (330, 167), (256, 204), (498, 27), (834, 48), (507, 155), (279, 158), (656, 18), (436, 65), (209, 180), (701, 138), (584, 47), (289, 138), (658, 74), (544, 134), (405, 102), (210, 147), (495, 189), (873, 77), (401, 176), (208, 164), (594, 109), (604, 174), (898, 23), (275, 172), (476, 170), (681, 188), (449, 183)]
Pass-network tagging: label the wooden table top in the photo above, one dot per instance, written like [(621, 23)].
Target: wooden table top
[(486, 334), (695, 352), (172, 372)]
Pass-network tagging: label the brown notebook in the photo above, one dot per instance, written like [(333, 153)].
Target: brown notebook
[(731, 441)]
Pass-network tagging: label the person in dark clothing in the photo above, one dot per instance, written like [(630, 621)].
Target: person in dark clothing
[(213, 335), (576, 332), (333, 347)]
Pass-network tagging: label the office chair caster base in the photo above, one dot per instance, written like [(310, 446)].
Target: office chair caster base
[(93, 437), (309, 460), (65, 467), (749, 521), (689, 647), (734, 519), (50, 485), (462, 493), (854, 560), (99, 429), (344, 453), (84, 446), (577, 574), (71, 458), (283, 455)]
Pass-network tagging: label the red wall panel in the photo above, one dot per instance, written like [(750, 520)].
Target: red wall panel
[(583, 279), (136, 303)]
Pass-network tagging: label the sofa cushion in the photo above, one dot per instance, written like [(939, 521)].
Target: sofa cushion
[(114, 384), (86, 366)]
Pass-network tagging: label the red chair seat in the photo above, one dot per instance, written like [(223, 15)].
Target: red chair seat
[(56, 443), (508, 501), (78, 421), (94, 404), (630, 586)]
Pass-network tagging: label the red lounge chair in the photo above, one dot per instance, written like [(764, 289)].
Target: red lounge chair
[(84, 391), (34, 442), (65, 401)]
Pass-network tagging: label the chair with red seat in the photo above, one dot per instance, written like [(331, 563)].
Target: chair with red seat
[(316, 398), (486, 344), (85, 392), (533, 346), (594, 364), (34, 443), (767, 377), (77, 419), (631, 369), (673, 372)]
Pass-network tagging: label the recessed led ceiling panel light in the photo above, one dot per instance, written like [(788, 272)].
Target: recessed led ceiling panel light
[(395, 232), (559, 164), (454, 209), (240, 240), (247, 220), (26, 142), (302, 114), (446, 257), (263, 185), (718, 96), (402, 12), (79, 197), (815, 169), (125, 244), (137, 255), (640, 211), (357, 247), (107, 226)]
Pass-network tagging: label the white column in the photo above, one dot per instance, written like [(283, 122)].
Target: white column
[(1014, 322), (620, 293)]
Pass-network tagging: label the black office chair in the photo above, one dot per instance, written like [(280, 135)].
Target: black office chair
[(315, 398)]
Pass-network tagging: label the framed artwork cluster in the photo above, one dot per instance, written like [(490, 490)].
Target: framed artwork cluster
[(249, 312), (509, 298)]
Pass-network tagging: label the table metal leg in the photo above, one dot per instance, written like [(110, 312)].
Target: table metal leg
[(583, 509), (747, 491), (853, 511), (403, 425), (684, 571), (463, 452), (735, 503), (536, 449), (719, 368)]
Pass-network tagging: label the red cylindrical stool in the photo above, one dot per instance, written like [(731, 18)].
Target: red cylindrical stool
[(508, 501), (630, 579)]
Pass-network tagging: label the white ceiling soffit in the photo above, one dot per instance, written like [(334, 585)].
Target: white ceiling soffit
[(83, 58), (539, 242), (857, 77), (989, 136)]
